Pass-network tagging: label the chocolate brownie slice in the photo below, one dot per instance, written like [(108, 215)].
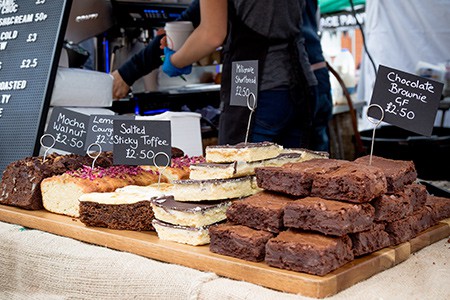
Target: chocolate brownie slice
[(328, 216), (440, 207), (370, 240), (417, 194), (407, 228), (308, 252), (294, 178), (238, 241), (352, 182), (398, 172), (392, 207), (263, 211)]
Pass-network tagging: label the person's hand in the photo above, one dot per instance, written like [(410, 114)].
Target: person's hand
[(170, 69), (120, 87)]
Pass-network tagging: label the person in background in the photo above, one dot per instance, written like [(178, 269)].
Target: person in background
[(148, 58), (267, 31), (322, 91)]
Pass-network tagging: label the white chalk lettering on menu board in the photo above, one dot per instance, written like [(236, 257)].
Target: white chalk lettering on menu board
[(31, 37), (408, 101), (244, 82), (138, 142)]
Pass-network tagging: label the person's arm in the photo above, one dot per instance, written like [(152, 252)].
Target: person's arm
[(207, 37)]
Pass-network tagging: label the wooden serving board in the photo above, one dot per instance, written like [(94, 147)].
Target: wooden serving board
[(149, 245)]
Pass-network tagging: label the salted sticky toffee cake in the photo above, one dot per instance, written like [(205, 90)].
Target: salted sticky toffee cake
[(242, 152)]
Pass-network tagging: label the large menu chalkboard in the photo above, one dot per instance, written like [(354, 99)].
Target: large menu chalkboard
[(31, 33)]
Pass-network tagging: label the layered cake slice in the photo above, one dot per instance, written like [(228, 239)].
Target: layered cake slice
[(328, 217), (398, 173), (295, 178), (242, 152), (370, 240), (60, 193), (213, 189), (21, 181), (124, 211), (235, 169), (190, 214), (194, 236), (308, 252), (263, 211), (239, 241), (351, 182)]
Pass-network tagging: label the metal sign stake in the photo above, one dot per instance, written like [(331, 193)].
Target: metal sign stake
[(252, 107), (376, 123), (47, 148)]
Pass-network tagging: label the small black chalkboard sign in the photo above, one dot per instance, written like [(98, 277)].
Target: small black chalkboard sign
[(100, 130), (244, 81), (69, 129), (137, 142), (408, 101)]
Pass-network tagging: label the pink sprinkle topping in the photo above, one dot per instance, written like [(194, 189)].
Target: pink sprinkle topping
[(118, 171), (186, 161)]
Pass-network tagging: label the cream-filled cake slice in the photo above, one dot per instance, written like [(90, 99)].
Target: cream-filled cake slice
[(194, 236), (190, 214), (242, 152)]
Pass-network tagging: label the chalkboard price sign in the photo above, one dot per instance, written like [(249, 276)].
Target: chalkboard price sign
[(408, 101), (138, 142), (69, 129), (100, 130), (31, 36), (244, 82)]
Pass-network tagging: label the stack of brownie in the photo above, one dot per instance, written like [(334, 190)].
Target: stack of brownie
[(316, 216)]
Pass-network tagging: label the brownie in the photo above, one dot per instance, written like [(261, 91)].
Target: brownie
[(351, 182), (133, 216), (308, 252), (392, 207), (439, 206), (328, 216), (398, 172), (294, 178), (263, 211), (238, 241), (407, 228), (21, 180), (370, 240), (417, 194)]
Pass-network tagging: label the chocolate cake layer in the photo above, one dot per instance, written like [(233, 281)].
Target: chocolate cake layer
[(238, 241), (392, 207), (398, 172), (370, 240), (308, 252), (328, 216), (351, 182), (132, 216), (263, 211)]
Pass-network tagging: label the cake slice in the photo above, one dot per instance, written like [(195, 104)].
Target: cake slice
[(235, 169), (262, 211), (391, 207), (196, 214), (242, 152), (124, 211), (398, 173), (60, 193), (328, 216), (213, 189), (239, 241), (308, 252), (194, 236), (351, 182), (370, 240)]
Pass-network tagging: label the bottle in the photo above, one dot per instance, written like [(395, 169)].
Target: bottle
[(345, 66)]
